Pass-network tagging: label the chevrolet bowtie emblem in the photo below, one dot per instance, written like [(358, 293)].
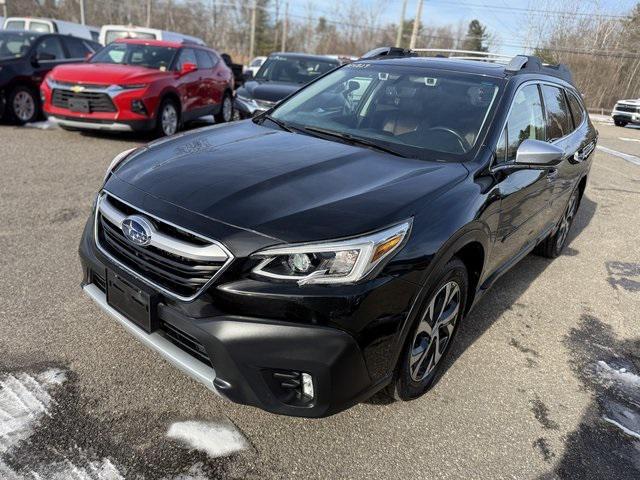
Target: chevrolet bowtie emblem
[(77, 88)]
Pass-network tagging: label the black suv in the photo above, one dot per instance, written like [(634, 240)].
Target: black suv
[(309, 257), (25, 59)]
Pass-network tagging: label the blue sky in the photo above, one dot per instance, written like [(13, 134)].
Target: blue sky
[(500, 16)]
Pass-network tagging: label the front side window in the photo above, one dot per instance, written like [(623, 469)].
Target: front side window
[(50, 48), (558, 116), (526, 120), (150, 56), (415, 112), (300, 70), (76, 47), (187, 55), (15, 25), (15, 44)]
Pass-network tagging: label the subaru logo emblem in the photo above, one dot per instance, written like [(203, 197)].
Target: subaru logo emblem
[(137, 230)]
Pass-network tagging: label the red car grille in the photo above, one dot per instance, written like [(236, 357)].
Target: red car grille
[(98, 102)]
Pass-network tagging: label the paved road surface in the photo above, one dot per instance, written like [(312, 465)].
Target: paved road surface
[(545, 382)]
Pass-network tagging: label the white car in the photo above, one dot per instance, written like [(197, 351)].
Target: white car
[(109, 33), (626, 111), (50, 25), (254, 65)]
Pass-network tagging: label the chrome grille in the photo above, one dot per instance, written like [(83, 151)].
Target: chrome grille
[(627, 108), (177, 262), (98, 102)]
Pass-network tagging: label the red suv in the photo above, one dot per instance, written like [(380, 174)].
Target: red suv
[(134, 85)]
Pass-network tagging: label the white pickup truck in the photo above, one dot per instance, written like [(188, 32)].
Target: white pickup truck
[(626, 111)]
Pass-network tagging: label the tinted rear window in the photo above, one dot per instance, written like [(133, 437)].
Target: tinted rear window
[(558, 115)]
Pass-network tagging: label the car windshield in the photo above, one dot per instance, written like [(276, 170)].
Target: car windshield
[(113, 35), (416, 112), (15, 44), (150, 56), (281, 68)]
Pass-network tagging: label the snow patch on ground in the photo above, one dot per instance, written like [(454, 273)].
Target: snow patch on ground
[(44, 125), (23, 400), (618, 375), (215, 439)]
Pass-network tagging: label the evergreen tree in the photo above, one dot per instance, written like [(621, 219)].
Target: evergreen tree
[(476, 38)]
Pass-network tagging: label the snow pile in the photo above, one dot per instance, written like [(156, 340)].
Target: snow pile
[(215, 439), (626, 387), (23, 400)]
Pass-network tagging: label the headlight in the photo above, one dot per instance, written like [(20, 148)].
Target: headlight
[(133, 86), (49, 82), (116, 161), (342, 261)]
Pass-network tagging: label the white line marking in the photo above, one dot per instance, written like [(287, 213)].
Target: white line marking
[(625, 156), (627, 139)]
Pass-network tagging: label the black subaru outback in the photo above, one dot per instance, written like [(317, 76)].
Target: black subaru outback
[(331, 247)]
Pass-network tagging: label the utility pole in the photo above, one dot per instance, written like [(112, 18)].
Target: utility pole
[(416, 25), (148, 13), (252, 38), (401, 24), (82, 12), (284, 27), (4, 8)]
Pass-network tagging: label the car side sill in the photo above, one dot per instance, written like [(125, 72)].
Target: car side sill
[(157, 342)]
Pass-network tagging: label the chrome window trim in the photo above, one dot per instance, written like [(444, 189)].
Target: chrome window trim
[(137, 275)]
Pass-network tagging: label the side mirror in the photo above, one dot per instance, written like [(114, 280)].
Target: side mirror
[(248, 75), (188, 68), (538, 153)]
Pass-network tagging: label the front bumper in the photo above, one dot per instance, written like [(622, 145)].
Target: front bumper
[(245, 350), (628, 117)]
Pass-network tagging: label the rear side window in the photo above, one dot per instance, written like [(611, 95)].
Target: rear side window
[(39, 27), (204, 60), (526, 120), (558, 115), (214, 58), (50, 48), (576, 109), (76, 47)]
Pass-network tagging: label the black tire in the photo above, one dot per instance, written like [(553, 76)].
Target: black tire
[(552, 246), (162, 129), (23, 105), (226, 109), (412, 378), (620, 123)]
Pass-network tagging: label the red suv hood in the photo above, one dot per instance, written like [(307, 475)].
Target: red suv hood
[(105, 74)]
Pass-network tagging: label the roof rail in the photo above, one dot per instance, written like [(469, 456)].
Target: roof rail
[(387, 52), (530, 63)]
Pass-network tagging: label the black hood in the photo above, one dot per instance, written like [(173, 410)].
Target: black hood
[(270, 91), (289, 186)]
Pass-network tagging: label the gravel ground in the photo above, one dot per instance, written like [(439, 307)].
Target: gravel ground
[(545, 380)]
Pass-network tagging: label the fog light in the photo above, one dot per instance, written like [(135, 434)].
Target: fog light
[(137, 106), (307, 385)]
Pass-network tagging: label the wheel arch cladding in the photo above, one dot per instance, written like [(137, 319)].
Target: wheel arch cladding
[(472, 255)]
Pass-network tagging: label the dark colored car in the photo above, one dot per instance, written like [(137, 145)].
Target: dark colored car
[(25, 59), (280, 75), (134, 85), (305, 259)]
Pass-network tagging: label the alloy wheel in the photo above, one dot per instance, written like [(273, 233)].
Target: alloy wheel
[(565, 223), (227, 109), (435, 331), (169, 119), (24, 106)]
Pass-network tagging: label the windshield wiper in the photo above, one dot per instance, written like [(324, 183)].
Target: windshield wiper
[(279, 123), (354, 140)]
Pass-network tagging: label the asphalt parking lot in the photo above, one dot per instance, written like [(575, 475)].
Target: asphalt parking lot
[(545, 383)]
